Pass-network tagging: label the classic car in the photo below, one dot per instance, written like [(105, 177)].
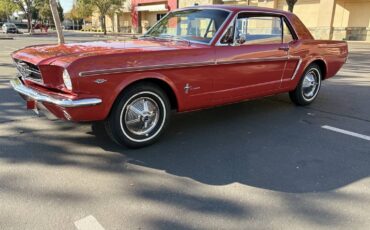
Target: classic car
[(193, 58), (9, 28)]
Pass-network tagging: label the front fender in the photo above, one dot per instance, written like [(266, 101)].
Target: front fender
[(149, 76), (109, 87)]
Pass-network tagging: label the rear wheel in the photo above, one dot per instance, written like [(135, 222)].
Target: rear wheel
[(308, 87), (139, 116)]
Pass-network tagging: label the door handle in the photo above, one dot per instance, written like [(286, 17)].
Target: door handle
[(284, 48)]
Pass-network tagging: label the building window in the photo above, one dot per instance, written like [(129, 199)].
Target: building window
[(159, 16)]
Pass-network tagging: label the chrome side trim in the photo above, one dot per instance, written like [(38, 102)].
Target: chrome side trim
[(252, 60), (143, 68), (176, 66), (18, 86), (296, 69)]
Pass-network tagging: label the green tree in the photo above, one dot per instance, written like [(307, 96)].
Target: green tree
[(7, 8), (291, 4), (60, 11), (112, 11), (103, 7), (82, 10), (26, 6), (44, 11)]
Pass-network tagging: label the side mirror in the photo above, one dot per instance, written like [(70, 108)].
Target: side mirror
[(241, 39), (240, 31)]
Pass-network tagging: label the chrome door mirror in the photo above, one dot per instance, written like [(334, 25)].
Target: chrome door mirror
[(242, 38), (240, 32)]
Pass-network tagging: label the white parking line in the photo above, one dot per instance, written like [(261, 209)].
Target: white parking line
[(88, 223), (346, 132)]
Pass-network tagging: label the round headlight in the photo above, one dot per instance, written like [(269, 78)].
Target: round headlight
[(67, 80)]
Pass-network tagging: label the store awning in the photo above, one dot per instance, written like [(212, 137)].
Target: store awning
[(158, 7)]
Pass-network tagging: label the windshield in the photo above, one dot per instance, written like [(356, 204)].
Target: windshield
[(199, 25)]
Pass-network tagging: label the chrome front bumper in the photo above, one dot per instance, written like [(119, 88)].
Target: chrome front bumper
[(18, 86)]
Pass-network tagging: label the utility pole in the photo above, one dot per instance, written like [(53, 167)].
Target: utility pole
[(58, 25)]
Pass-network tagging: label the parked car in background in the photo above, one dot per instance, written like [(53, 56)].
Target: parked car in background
[(9, 28), (193, 58)]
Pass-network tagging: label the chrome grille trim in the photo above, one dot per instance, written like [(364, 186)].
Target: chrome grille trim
[(28, 71)]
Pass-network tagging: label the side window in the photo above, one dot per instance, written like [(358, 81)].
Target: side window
[(258, 30), (287, 35)]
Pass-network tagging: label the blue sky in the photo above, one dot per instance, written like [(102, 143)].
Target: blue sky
[(66, 4)]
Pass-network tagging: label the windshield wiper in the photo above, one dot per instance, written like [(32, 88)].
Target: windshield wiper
[(148, 36), (174, 37), (166, 37)]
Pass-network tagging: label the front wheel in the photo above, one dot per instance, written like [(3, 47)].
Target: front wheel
[(139, 116), (308, 87)]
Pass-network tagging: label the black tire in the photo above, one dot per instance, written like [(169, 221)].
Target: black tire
[(134, 102), (299, 95)]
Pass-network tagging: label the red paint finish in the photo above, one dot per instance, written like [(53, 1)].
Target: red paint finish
[(215, 74)]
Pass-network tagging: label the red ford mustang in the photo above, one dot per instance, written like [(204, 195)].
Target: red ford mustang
[(193, 58)]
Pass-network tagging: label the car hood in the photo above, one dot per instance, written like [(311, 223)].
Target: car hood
[(47, 54)]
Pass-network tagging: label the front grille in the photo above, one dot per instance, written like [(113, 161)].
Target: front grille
[(28, 71)]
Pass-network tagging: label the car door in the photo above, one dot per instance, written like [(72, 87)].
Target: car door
[(251, 62)]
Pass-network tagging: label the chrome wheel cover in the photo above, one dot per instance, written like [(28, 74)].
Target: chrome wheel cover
[(311, 84), (142, 116)]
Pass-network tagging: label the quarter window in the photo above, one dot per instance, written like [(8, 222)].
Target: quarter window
[(287, 35)]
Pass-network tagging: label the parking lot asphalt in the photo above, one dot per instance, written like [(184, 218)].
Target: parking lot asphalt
[(262, 164)]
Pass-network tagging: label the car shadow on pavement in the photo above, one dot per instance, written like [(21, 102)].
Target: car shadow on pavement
[(255, 143), (267, 143)]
